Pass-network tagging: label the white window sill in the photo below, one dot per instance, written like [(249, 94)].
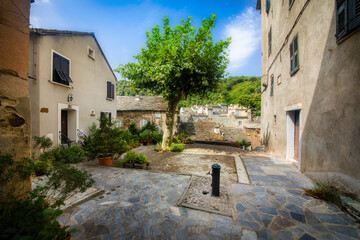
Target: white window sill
[(59, 84)]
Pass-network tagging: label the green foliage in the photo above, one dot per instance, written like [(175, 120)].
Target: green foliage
[(149, 126), (145, 134), (35, 216), (156, 137), (71, 155), (176, 147), (133, 157), (133, 129), (158, 147), (105, 140), (245, 91), (182, 138), (244, 143), (43, 164), (324, 189), (124, 88), (42, 142)]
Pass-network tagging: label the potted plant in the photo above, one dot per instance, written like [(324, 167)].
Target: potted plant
[(141, 162), (104, 141), (146, 136)]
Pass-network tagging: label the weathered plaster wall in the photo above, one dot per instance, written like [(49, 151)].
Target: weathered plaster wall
[(88, 89), (14, 95), (326, 89)]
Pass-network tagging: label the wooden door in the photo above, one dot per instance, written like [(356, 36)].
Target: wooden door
[(296, 135), (64, 126)]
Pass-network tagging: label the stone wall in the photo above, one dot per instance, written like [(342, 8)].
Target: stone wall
[(127, 117), (14, 94), (204, 130)]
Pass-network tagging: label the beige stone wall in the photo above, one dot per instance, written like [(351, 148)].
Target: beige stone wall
[(14, 97), (325, 89), (135, 116), (88, 89)]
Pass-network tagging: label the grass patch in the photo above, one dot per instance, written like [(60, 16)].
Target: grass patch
[(324, 189)]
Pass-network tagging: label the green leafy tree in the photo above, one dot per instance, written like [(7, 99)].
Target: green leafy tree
[(178, 62)]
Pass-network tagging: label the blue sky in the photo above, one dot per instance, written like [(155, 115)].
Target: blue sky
[(120, 25)]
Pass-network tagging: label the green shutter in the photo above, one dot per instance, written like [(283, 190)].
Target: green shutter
[(272, 86), (354, 14), (270, 40), (267, 5), (341, 18)]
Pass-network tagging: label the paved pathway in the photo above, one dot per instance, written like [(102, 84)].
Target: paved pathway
[(142, 205)]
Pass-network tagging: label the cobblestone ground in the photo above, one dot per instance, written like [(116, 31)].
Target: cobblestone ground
[(142, 205)]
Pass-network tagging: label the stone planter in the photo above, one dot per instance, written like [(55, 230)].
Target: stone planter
[(129, 165), (105, 161)]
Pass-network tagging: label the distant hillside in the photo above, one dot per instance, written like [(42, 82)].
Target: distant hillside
[(245, 91)]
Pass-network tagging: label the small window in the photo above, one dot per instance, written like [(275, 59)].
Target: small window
[(267, 6), (105, 114), (61, 70), (270, 40), (91, 53), (157, 114), (143, 122), (291, 2), (274, 120), (347, 17), (272, 85), (110, 90), (237, 112), (119, 122), (294, 56), (239, 123), (279, 80)]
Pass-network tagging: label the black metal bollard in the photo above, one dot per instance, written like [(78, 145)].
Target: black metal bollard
[(215, 179)]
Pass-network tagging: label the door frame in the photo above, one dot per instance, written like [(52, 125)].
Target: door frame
[(290, 148), (63, 106)]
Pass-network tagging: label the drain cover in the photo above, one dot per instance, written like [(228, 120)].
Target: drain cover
[(198, 196)]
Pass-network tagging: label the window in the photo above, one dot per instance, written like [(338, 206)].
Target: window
[(105, 114), (119, 122), (143, 122), (272, 86), (291, 2), (239, 123), (110, 90), (270, 40), (91, 53), (347, 17), (274, 120), (237, 112), (157, 114), (294, 56), (267, 5), (61, 67), (279, 80)]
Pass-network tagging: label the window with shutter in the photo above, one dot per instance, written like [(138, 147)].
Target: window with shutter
[(272, 86), (347, 17), (61, 70), (270, 40), (108, 89), (291, 2), (112, 91), (267, 5), (294, 56)]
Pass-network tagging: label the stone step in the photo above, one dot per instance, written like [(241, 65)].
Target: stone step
[(351, 206)]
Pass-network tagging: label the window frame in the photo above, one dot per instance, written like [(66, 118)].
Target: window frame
[(291, 3), (52, 69), (239, 123), (267, 5), (157, 114), (89, 51), (351, 21), (141, 126), (112, 90), (270, 41), (294, 69), (272, 85)]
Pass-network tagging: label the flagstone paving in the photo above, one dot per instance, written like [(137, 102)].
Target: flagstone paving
[(139, 204)]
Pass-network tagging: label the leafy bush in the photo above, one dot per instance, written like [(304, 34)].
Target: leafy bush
[(133, 129), (133, 157), (156, 137), (34, 217), (244, 143), (42, 142), (43, 164), (149, 126), (176, 147), (145, 134), (158, 147), (105, 140), (182, 138), (71, 155)]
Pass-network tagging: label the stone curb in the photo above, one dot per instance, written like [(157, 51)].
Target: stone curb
[(87, 196), (241, 172)]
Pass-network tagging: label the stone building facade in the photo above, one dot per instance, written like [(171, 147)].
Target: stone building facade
[(71, 83), (141, 109), (15, 121), (310, 85)]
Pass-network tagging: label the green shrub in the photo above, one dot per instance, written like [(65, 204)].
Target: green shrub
[(130, 157), (42, 142), (34, 217), (181, 138), (106, 140), (149, 126), (43, 165), (176, 147), (133, 129), (156, 137), (145, 134), (158, 147), (133, 157), (71, 155)]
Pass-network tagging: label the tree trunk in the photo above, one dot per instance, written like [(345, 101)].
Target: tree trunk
[(170, 120)]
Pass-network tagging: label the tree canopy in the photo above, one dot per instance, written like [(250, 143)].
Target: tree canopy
[(178, 62)]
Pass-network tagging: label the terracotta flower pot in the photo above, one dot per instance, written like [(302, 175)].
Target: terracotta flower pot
[(105, 161)]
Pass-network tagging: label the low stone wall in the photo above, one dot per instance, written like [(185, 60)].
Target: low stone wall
[(204, 131)]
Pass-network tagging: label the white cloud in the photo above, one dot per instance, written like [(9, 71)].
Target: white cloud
[(245, 31)]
